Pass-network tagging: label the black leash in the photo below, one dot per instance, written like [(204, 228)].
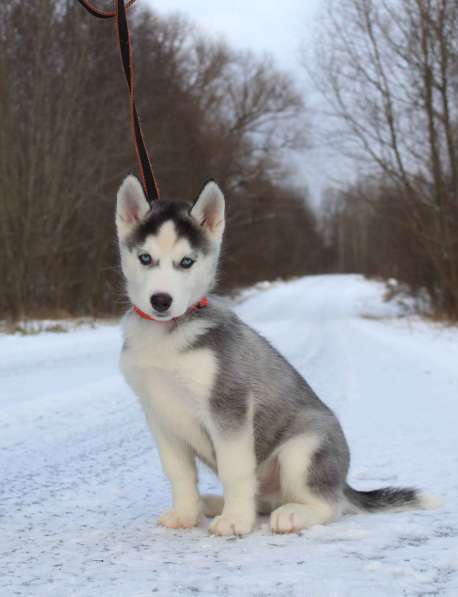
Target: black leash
[(122, 28)]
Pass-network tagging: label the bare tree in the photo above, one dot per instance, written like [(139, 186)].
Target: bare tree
[(207, 112), (389, 70)]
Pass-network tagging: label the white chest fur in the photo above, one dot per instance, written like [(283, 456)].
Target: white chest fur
[(172, 380)]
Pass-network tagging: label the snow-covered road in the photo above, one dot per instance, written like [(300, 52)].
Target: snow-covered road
[(81, 484)]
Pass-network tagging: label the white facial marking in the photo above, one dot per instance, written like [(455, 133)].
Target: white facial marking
[(166, 238)]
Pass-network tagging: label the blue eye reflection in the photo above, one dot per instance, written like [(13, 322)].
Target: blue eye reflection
[(186, 262), (145, 259)]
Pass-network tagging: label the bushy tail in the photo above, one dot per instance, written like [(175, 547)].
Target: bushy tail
[(389, 498)]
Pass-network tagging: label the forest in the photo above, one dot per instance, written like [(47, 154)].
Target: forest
[(389, 72), (388, 75)]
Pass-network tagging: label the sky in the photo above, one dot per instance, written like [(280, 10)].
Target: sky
[(275, 26), (282, 28)]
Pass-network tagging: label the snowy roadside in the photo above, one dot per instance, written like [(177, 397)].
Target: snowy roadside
[(81, 483)]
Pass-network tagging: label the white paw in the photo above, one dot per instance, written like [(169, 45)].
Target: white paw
[(290, 518), (231, 525), (174, 519)]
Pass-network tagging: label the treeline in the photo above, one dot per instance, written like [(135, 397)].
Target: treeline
[(389, 73), (207, 112)]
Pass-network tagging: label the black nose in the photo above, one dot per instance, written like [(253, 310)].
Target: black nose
[(161, 301)]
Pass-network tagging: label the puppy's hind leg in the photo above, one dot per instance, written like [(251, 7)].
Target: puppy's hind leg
[(303, 504), (212, 505)]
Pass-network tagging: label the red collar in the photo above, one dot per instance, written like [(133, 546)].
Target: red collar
[(200, 305)]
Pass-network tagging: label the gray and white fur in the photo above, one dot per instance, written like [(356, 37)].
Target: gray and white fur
[(214, 389)]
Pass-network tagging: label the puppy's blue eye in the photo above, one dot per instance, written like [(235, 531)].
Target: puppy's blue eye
[(145, 259), (186, 262)]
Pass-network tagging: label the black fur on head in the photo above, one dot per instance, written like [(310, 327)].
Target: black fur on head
[(177, 212)]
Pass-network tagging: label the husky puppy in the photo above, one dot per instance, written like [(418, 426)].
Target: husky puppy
[(214, 389)]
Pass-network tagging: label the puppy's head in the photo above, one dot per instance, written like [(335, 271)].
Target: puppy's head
[(169, 250)]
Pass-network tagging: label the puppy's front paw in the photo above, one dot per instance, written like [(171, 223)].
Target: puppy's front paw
[(173, 519), (231, 525)]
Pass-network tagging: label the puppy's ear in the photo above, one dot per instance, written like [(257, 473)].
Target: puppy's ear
[(208, 210), (131, 206)]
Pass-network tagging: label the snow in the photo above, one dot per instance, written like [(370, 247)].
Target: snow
[(82, 483)]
